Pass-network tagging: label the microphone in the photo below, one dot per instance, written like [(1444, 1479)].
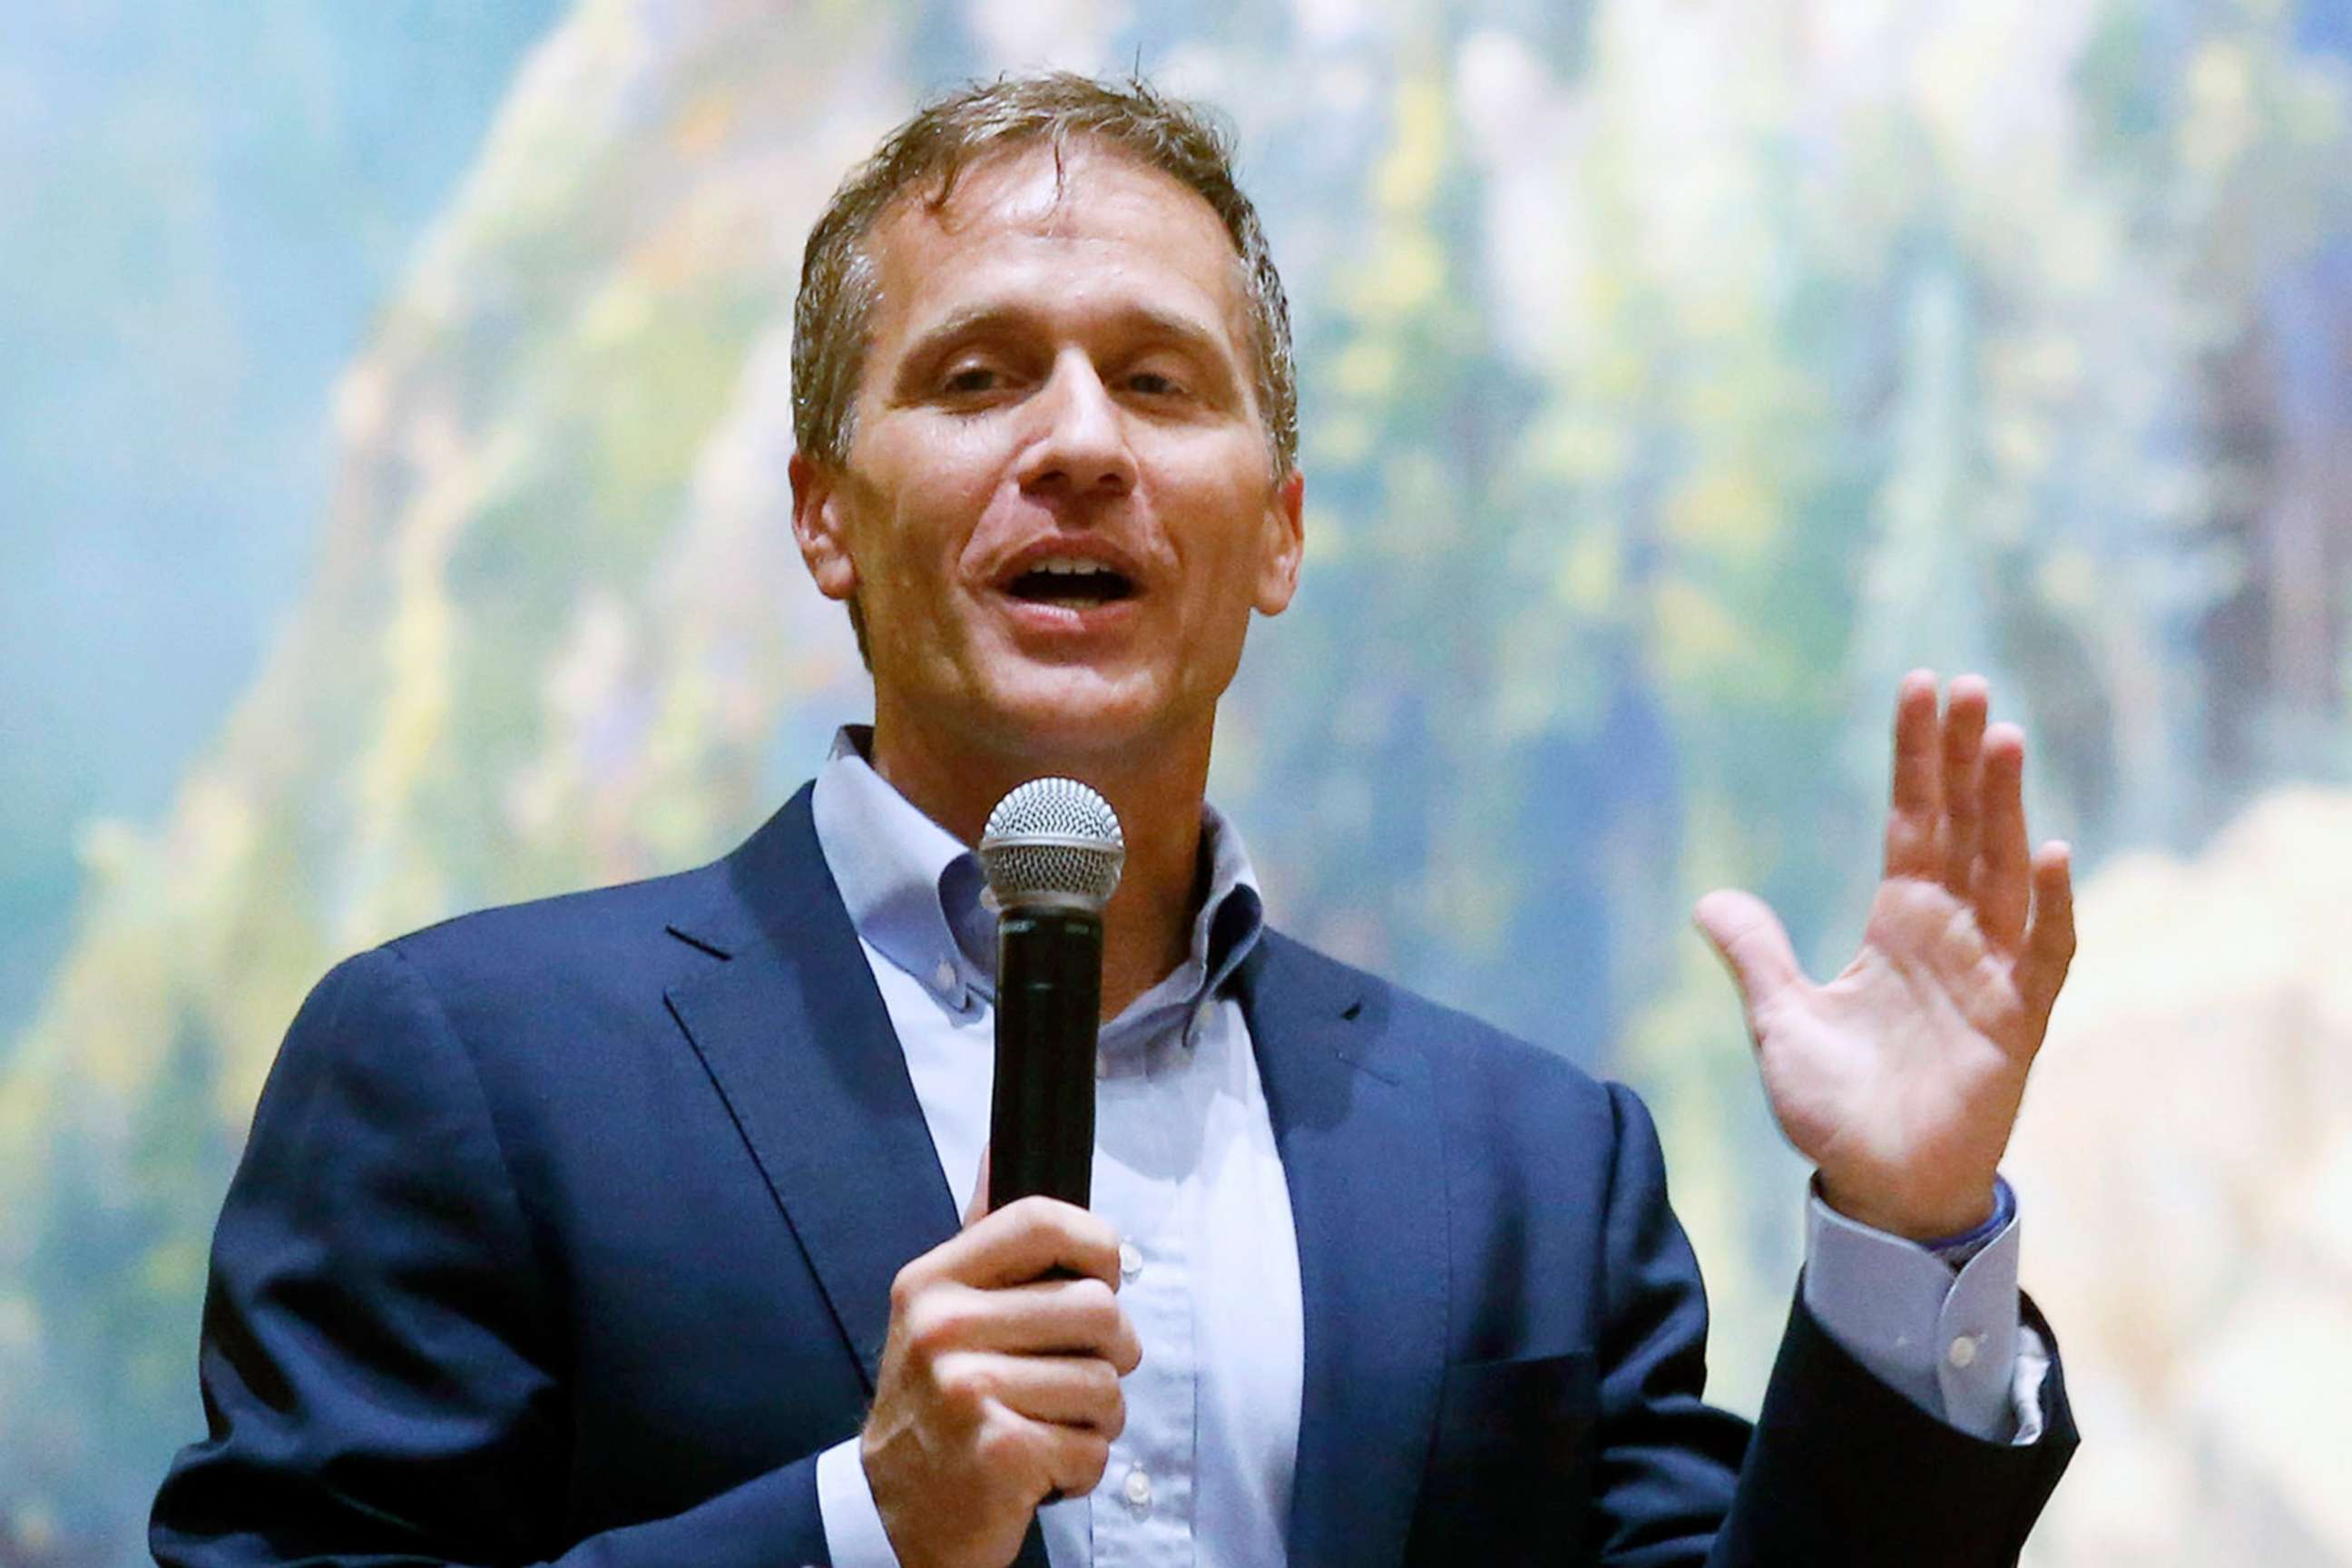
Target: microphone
[(1052, 851)]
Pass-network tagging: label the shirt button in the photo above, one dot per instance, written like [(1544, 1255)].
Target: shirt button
[(1130, 1264), (1138, 1489), (1963, 1352), (1203, 1016), (944, 977)]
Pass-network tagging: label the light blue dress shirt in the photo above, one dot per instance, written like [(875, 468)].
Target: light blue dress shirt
[(1187, 1172)]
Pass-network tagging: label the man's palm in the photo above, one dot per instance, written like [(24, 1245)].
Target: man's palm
[(1901, 1079)]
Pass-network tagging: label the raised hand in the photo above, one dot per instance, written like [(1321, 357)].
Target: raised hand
[(1901, 1079), (998, 1387)]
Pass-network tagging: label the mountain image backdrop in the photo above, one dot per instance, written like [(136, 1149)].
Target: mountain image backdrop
[(1673, 377)]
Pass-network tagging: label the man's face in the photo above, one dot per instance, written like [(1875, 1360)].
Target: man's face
[(1058, 510)]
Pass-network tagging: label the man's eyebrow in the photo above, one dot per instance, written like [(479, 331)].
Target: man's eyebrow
[(972, 321), (982, 319)]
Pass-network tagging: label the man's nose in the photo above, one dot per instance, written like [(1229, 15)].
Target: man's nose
[(1082, 448)]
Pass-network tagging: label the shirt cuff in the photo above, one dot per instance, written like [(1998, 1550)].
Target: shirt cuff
[(854, 1536), (1946, 1341)]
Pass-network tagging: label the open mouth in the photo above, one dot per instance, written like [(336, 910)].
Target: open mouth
[(1071, 583)]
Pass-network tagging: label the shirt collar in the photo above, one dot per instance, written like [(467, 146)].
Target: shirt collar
[(913, 892)]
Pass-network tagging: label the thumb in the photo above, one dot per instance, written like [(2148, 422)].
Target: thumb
[(977, 1210), (1747, 936)]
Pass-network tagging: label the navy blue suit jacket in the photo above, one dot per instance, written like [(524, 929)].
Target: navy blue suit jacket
[(565, 1233)]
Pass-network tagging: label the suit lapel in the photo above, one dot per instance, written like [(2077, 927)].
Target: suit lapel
[(797, 1041), (1357, 1130)]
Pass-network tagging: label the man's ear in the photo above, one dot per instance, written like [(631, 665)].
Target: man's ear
[(818, 526), (1286, 541)]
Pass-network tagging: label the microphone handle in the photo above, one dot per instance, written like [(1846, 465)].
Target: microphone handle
[(1041, 1129)]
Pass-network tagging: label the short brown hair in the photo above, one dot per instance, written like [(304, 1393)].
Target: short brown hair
[(832, 316)]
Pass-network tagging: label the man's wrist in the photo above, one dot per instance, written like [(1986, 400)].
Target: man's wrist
[(1959, 1247), (854, 1532), (1935, 1225)]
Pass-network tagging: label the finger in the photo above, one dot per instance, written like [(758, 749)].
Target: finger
[(2050, 945), (1963, 742), (1051, 1460), (1070, 1391), (1021, 1242), (2003, 889), (1047, 1317), (1916, 798), (1074, 1458), (1754, 947)]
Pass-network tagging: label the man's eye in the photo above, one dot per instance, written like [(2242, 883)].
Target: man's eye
[(1155, 384), (970, 380)]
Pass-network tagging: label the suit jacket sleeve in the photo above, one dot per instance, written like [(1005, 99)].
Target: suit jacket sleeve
[(1839, 1469), (381, 1362)]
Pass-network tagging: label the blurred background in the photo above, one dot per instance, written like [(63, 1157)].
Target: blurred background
[(392, 521)]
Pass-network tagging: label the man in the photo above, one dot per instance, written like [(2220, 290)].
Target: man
[(621, 1229)]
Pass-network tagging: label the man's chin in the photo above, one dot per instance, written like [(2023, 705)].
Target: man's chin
[(1078, 717)]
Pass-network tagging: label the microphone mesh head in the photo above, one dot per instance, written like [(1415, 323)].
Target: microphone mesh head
[(1052, 841)]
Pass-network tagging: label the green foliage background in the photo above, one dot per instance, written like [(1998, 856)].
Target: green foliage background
[(1675, 376)]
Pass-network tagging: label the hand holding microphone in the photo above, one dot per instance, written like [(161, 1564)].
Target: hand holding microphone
[(999, 1385), (998, 1388)]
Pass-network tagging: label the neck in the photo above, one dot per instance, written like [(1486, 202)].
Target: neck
[(1147, 928)]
